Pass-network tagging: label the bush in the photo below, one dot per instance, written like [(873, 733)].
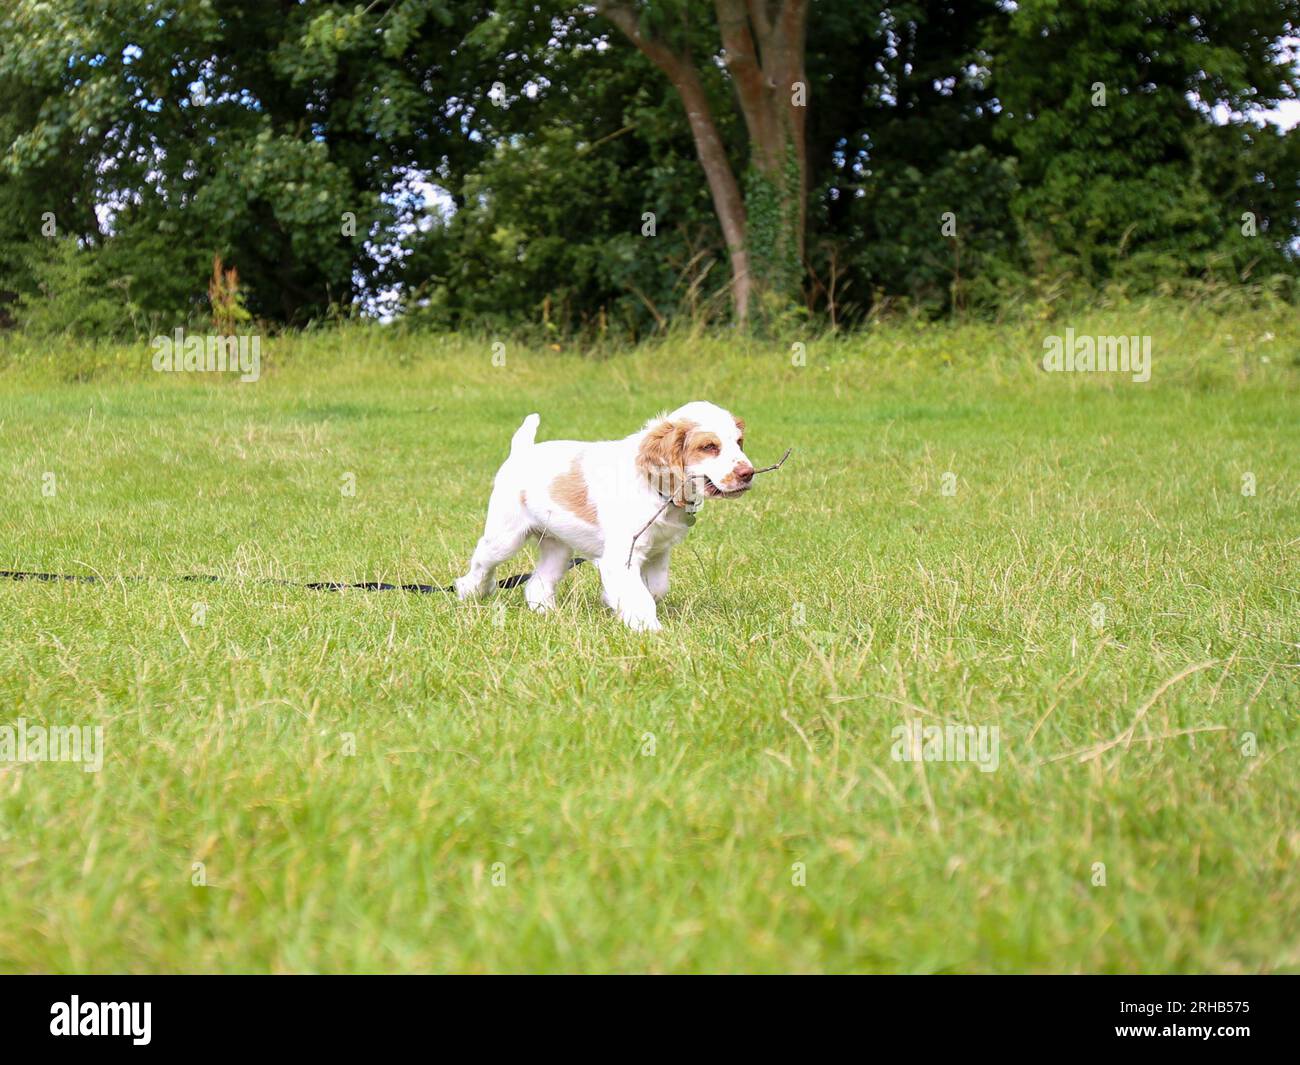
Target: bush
[(64, 289)]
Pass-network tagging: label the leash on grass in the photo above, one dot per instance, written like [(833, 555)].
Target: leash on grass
[(316, 586), (340, 586)]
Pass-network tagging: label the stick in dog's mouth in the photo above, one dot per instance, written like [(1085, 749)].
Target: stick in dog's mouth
[(765, 469), (777, 466)]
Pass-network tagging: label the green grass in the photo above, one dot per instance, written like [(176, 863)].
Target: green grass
[(844, 597)]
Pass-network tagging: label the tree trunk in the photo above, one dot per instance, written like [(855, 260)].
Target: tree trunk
[(727, 201), (763, 43), (763, 230)]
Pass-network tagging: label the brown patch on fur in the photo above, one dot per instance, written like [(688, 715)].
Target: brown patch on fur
[(740, 427), (570, 491), (662, 458), (523, 498)]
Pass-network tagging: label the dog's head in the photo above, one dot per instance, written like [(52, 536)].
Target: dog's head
[(695, 452)]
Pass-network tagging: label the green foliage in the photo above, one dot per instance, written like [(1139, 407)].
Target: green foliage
[(771, 231), (549, 229), (1122, 176), (288, 140), (237, 128), (941, 237), (73, 293), (518, 251)]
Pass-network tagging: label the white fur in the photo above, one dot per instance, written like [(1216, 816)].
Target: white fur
[(624, 499)]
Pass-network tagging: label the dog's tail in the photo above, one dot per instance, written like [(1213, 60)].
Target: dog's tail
[(525, 435)]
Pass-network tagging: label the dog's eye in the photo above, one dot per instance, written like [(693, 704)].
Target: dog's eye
[(711, 449), (741, 443)]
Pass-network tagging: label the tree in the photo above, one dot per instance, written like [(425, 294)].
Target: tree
[(762, 47), (271, 133), (911, 188), (1124, 175), (950, 160), (572, 125)]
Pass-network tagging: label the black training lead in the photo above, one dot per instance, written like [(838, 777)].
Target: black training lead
[(316, 586)]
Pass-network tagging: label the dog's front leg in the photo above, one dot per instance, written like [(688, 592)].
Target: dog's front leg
[(655, 573), (624, 589)]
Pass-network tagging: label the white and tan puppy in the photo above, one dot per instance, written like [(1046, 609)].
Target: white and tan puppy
[(593, 498)]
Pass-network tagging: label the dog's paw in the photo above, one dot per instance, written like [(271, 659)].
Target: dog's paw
[(467, 589), (642, 622)]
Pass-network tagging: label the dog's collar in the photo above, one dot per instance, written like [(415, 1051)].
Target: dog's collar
[(690, 508), (687, 506), (688, 515)]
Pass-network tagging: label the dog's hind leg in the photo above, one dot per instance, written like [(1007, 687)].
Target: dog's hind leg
[(504, 532), (553, 560)]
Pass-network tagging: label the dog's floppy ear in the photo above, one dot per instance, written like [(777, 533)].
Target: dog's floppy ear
[(662, 457)]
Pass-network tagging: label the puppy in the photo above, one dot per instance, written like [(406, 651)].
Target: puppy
[(594, 498)]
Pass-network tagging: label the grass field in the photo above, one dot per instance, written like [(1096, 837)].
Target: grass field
[(384, 781)]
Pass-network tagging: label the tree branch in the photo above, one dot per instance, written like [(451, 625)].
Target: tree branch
[(728, 203), (793, 21), (625, 19), (744, 65), (762, 22), (742, 54)]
